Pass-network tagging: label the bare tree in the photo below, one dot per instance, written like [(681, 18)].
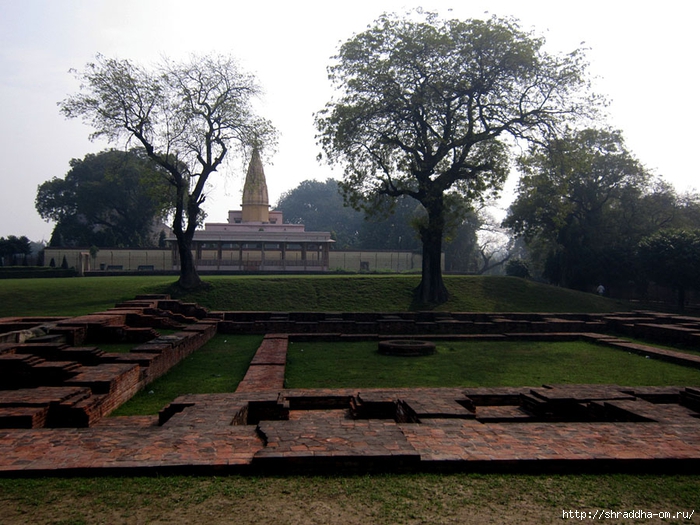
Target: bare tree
[(187, 116)]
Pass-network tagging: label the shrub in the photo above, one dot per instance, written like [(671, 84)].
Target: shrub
[(517, 268)]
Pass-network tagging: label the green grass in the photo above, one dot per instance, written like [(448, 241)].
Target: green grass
[(676, 347), (376, 293), (507, 363), (380, 499), (379, 293), (216, 367), (71, 296), (220, 365)]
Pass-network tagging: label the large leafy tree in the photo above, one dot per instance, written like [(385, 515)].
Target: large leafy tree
[(584, 202), (425, 108), (672, 258), (14, 248), (111, 198), (319, 206), (187, 116), (393, 228)]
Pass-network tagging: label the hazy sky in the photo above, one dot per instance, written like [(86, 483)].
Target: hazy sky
[(644, 56)]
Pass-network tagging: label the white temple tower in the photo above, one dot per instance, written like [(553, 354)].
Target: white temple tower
[(256, 204)]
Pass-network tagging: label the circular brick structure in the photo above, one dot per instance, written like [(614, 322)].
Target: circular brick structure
[(406, 347)]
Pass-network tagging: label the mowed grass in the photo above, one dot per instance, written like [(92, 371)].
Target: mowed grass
[(215, 368), (355, 293), (477, 364), (344, 500), (221, 364), (390, 293), (71, 296)]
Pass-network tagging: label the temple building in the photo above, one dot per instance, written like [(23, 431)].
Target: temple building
[(255, 238)]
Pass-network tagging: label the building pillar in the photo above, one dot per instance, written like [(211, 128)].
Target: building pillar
[(326, 256)]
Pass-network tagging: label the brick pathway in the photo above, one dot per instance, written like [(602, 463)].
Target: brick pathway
[(266, 370), (403, 429), (264, 427)]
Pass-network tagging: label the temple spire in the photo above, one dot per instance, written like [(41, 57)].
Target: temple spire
[(256, 205)]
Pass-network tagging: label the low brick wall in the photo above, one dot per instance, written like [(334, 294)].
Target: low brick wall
[(85, 383)]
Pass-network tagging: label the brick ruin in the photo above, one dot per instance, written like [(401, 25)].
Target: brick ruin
[(57, 386), (53, 373)]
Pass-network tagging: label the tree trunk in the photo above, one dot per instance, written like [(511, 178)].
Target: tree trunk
[(189, 279), (431, 289)]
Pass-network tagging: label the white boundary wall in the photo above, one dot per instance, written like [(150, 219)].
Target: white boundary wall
[(134, 260)]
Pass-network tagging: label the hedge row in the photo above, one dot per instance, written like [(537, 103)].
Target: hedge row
[(33, 272)]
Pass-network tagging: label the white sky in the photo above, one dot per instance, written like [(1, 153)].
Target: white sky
[(644, 55)]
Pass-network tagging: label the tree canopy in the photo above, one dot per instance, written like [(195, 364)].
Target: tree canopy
[(672, 258), (319, 206), (14, 249), (425, 108), (583, 204), (112, 198), (186, 115)]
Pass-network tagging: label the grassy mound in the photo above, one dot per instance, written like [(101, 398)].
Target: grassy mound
[(359, 293), (378, 293)]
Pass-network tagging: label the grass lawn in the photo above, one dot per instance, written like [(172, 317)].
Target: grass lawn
[(359, 293), (221, 364), (71, 296), (216, 367), (342, 500), (378, 293), (490, 363)]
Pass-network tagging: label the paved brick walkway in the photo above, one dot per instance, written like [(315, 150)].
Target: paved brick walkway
[(266, 370), (411, 429), (265, 428)]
